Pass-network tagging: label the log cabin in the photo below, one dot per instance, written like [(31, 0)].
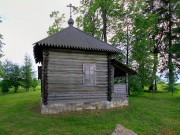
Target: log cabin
[(77, 72)]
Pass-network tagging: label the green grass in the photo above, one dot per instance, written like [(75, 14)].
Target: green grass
[(148, 114)]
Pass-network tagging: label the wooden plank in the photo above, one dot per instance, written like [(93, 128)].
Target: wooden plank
[(73, 91), (78, 96), (76, 51), (62, 89), (65, 76), (78, 93), (118, 95), (78, 58), (72, 69), (76, 54), (120, 88), (74, 101)]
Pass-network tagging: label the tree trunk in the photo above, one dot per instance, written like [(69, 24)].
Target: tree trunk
[(104, 17), (153, 86), (127, 53), (170, 64)]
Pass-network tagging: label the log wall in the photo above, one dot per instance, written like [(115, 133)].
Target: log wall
[(65, 76)]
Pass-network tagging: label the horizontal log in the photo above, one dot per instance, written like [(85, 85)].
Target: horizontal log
[(55, 90), (76, 51), (59, 92), (75, 54), (72, 69), (77, 83), (78, 96), (73, 77), (79, 66), (77, 93), (77, 58), (78, 99), (69, 62), (118, 95)]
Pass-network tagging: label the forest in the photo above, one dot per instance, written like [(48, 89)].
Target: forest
[(146, 32)]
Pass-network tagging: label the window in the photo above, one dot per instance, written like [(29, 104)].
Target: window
[(89, 77)]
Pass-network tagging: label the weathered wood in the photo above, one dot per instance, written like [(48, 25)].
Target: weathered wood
[(65, 76), (45, 77), (76, 51), (74, 101), (76, 87), (76, 91), (79, 97), (110, 83), (39, 72), (120, 89)]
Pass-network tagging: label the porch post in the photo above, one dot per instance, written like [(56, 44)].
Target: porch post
[(110, 78)]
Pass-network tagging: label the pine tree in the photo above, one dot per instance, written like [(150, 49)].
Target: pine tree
[(27, 72)]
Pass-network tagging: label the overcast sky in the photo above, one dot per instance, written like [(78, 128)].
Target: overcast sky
[(26, 22)]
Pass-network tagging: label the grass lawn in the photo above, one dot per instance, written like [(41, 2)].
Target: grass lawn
[(146, 115)]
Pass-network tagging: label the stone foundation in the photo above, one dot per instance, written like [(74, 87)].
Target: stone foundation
[(56, 107)]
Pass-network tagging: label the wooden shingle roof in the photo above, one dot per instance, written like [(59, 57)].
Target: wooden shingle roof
[(72, 38)]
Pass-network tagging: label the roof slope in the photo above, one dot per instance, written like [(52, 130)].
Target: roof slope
[(121, 69), (73, 38)]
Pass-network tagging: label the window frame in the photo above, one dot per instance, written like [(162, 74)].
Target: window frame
[(89, 65)]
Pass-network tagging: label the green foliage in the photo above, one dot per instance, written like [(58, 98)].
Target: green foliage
[(57, 24), (12, 74), (5, 85), (15, 76), (1, 43), (144, 26), (96, 17), (34, 83), (135, 85), (27, 72), (167, 37)]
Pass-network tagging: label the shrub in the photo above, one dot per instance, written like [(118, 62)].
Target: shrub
[(5, 86), (135, 86)]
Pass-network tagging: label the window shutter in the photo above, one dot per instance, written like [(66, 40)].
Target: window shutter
[(89, 74)]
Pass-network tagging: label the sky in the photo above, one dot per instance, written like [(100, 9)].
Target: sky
[(25, 22)]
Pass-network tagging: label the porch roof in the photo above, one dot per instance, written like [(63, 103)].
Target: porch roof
[(121, 69)]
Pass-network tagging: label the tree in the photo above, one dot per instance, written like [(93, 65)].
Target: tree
[(168, 26), (1, 52), (12, 75), (96, 17), (5, 85), (143, 46), (150, 8), (27, 72), (34, 83), (89, 19), (57, 24), (1, 43)]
